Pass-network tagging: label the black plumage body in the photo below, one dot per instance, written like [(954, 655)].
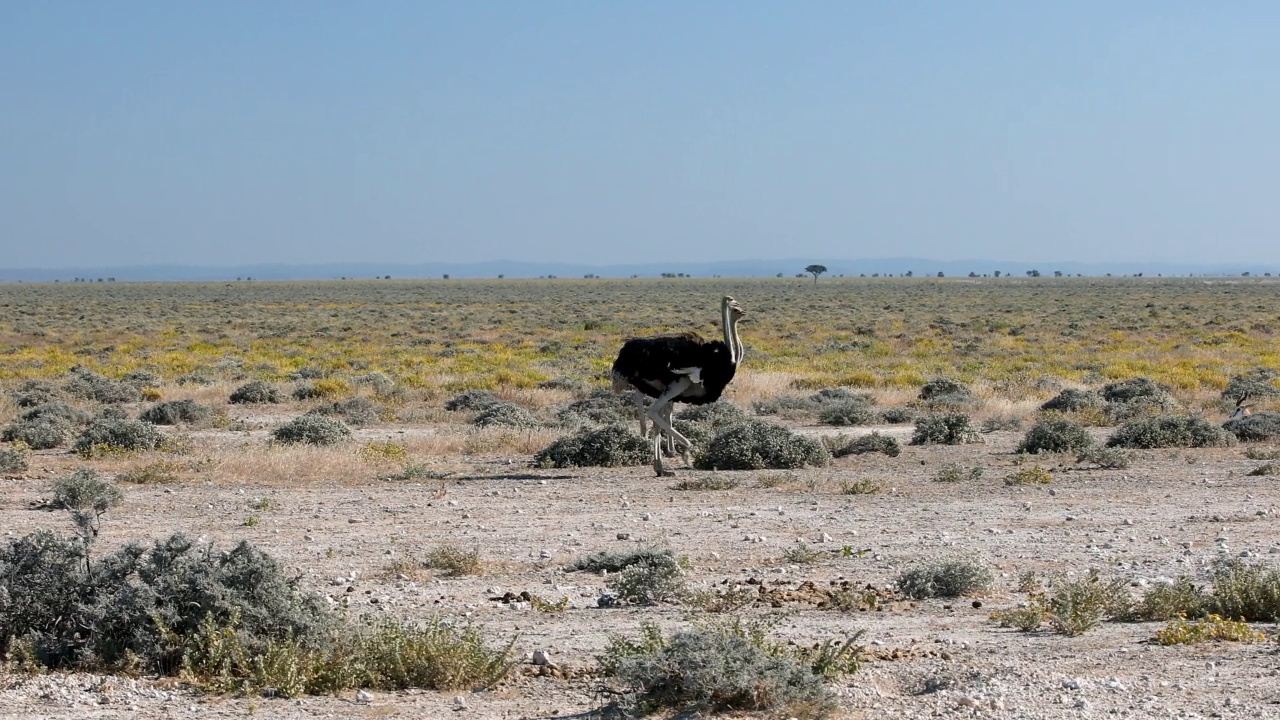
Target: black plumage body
[(650, 364)]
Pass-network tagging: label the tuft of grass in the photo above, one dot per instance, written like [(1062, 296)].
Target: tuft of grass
[(706, 482), (454, 561), (161, 472), (1266, 469), (954, 473), (1076, 606), (803, 555), (388, 451), (1213, 628), (864, 486), (1029, 476), (951, 577)]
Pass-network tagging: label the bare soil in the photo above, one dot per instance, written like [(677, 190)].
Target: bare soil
[(1173, 513)]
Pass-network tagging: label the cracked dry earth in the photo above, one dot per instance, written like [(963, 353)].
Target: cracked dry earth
[(1172, 513)]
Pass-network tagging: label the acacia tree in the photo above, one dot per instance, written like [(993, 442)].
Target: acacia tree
[(815, 271)]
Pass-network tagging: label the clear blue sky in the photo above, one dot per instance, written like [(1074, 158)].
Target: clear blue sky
[(270, 131)]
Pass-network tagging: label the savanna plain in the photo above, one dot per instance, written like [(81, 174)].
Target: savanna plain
[(919, 497)]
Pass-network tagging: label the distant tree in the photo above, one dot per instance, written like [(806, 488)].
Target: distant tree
[(973, 274), (1243, 274), (940, 274), (779, 274), (500, 276), (1057, 273), (908, 274), (815, 271), (446, 276), (997, 273), (1033, 273)]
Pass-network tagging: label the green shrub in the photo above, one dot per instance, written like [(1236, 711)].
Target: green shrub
[(454, 560), (715, 670), (311, 430), (1246, 591), (613, 561), (1258, 384), (471, 400), (1180, 599), (954, 472), (357, 411), (32, 393), (847, 412), (599, 410), (1055, 435), (1170, 431), (1029, 476), (1110, 458), (258, 392), (1072, 400), (714, 415), (177, 412), (1258, 426), (1076, 606), (144, 605), (1000, 422), (505, 414), (657, 579), (706, 482), (897, 415), (1126, 391), (758, 445), (88, 385), (945, 429), (946, 578), (842, 445), (942, 386), (118, 435), (609, 446), (13, 459), (57, 410), (41, 433)]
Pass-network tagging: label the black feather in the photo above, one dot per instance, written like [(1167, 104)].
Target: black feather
[(647, 364)]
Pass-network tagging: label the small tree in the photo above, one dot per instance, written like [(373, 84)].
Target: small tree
[(815, 271)]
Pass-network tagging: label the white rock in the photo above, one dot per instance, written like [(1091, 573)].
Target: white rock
[(363, 697)]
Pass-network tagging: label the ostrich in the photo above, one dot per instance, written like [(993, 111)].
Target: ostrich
[(679, 368), (1242, 409)]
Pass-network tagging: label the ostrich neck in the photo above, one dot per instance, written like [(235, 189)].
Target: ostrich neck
[(731, 336)]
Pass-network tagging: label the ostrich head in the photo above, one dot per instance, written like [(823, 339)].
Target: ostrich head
[(730, 313)]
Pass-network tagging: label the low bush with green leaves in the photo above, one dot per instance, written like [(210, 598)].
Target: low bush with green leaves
[(1256, 427), (954, 473), (13, 459), (35, 392), (1055, 435), (257, 392), (947, 578), (599, 409), (842, 445), (945, 429), (1212, 628), (311, 430), (86, 384), (1259, 384), (1164, 431), (109, 435), (713, 481), (1246, 591), (505, 414), (454, 561), (658, 579), (608, 446), (1076, 606), (612, 561), (758, 445), (177, 412), (727, 667)]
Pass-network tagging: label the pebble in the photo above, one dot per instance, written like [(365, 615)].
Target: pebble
[(459, 702)]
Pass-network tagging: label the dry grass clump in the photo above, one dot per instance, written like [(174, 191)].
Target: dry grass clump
[(706, 482), (948, 578), (471, 400), (1164, 431), (454, 561), (161, 472)]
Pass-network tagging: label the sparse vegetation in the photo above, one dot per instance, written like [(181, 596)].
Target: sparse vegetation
[(1209, 629), (13, 460), (947, 578), (503, 414), (1034, 475), (954, 473), (1108, 458), (861, 486), (713, 481), (454, 561)]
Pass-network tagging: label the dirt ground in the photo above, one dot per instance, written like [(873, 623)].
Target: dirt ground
[(1172, 513)]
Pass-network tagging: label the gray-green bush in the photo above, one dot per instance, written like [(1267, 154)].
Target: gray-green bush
[(1170, 431), (357, 411), (177, 412), (609, 446), (118, 435), (1055, 435), (1073, 400), (842, 445), (471, 400), (505, 414), (1255, 427), (88, 385), (945, 429), (950, 577), (257, 392), (758, 445), (311, 430)]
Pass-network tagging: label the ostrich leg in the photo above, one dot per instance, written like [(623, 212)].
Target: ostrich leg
[(659, 413)]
